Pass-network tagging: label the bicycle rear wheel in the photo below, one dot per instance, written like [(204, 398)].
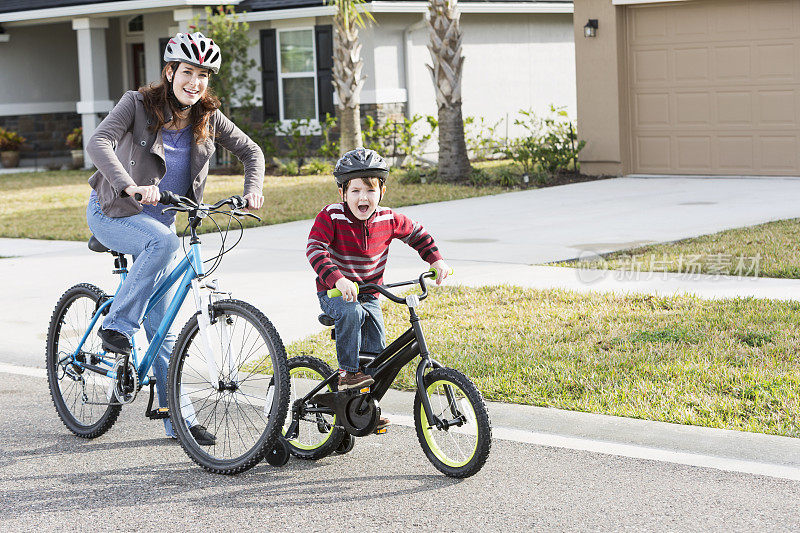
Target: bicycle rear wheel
[(80, 396), (317, 433), (245, 404), (461, 449)]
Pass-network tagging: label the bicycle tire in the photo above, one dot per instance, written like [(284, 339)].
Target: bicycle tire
[(248, 397), (458, 460), (68, 323), (304, 446)]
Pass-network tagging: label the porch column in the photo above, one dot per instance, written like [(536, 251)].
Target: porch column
[(93, 72)]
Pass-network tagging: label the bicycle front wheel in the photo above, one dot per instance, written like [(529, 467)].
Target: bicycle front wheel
[(461, 448), (81, 397), (244, 404)]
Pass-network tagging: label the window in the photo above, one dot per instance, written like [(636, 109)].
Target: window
[(136, 25), (297, 74)]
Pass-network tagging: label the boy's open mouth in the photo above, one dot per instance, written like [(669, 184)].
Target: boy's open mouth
[(363, 208)]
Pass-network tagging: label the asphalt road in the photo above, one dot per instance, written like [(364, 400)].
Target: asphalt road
[(133, 477)]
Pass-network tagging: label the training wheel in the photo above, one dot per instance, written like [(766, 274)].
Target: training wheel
[(346, 445), (279, 454)]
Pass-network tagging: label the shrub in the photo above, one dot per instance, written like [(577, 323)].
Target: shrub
[(75, 139), (10, 140), (482, 139), (399, 137), (317, 166), (330, 147), (290, 168), (551, 142), (298, 139)]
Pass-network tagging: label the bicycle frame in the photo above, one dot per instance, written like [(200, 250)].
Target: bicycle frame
[(387, 364), (186, 273)]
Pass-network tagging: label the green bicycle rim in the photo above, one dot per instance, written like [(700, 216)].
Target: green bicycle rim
[(297, 444), (428, 431)]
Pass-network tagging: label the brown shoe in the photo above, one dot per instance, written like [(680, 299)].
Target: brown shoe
[(354, 380), (383, 423)]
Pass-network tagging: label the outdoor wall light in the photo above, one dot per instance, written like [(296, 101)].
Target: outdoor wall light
[(590, 30)]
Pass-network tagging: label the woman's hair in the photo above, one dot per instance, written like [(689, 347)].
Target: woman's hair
[(156, 96)]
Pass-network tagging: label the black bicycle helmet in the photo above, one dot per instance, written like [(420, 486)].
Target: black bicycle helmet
[(360, 163)]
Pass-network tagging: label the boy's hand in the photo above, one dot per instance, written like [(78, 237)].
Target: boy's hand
[(443, 269), (348, 288)]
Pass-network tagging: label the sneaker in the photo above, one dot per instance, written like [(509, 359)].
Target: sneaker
[(203, 436), (114, 341), (354, 380)]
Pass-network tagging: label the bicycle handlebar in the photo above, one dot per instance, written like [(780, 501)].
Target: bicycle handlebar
[(383, 289), (182, 203)]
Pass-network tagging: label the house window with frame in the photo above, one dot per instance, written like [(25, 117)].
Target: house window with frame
[(296, 70), (136, 25), (298, 78)]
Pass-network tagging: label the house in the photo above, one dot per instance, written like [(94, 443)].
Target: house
[(65, 63), (708, 87)]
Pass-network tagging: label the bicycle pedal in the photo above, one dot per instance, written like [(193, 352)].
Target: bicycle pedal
[(380, 431), (158, 414), (363, 390)]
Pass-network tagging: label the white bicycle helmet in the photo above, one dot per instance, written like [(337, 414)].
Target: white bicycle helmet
[(195, 49)]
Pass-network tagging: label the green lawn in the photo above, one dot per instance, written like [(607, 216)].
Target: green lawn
[(52, 205), (731, 364), (768, 250)]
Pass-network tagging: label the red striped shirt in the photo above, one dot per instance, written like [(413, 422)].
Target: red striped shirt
[(340, 245)]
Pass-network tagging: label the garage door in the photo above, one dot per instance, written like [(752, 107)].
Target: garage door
[(714, 87)]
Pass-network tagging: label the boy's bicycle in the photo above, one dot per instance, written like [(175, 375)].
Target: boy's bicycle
[(227, 370), (450, 416)]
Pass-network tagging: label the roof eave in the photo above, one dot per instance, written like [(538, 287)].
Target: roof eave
[(414, 7), (65, 14)]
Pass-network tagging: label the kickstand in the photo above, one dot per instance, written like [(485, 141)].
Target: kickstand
[(155, 414)]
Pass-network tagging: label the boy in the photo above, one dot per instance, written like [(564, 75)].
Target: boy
[(349, 242)]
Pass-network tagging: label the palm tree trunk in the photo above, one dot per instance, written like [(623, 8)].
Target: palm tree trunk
[(453, 161), (347, 74), (350, 128), (447, 59)]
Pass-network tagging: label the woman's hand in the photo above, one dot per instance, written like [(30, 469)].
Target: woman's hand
[(150, 193), (348, 288), (443, 269), (255, 201)]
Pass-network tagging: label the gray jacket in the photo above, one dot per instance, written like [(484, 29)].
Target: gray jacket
[(126, 152)]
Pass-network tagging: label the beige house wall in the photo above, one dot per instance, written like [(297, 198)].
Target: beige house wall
[(601, 88)]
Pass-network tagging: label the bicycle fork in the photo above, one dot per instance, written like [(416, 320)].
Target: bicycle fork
[(203, 302)]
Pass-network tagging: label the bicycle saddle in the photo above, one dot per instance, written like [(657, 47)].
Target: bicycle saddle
[(96, 246), (325, 320)]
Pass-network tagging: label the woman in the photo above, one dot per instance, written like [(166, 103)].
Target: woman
[(160, 137)]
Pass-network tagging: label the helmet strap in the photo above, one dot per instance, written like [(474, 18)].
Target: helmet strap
[(174, 99)]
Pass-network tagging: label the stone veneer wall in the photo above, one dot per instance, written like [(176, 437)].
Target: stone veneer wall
[(45, 134)]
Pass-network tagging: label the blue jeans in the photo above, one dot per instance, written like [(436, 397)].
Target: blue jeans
[(153, 247), (359, 326)]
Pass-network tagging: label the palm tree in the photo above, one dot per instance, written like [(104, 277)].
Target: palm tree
[(445, 49), (347, 65)]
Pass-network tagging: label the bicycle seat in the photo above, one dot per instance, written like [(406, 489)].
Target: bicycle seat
[(325, 320), (96, 246)]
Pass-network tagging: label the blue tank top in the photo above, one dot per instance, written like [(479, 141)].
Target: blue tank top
[(177, 153)]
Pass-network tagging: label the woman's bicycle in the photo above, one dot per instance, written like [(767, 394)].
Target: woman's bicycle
[(227, 371), (450, 416)]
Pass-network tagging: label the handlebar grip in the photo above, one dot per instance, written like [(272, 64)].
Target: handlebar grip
[(436, 272), (167, 198), (335, 293)]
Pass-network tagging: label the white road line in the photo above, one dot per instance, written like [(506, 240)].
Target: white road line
[(575, 443), (23, 370)]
